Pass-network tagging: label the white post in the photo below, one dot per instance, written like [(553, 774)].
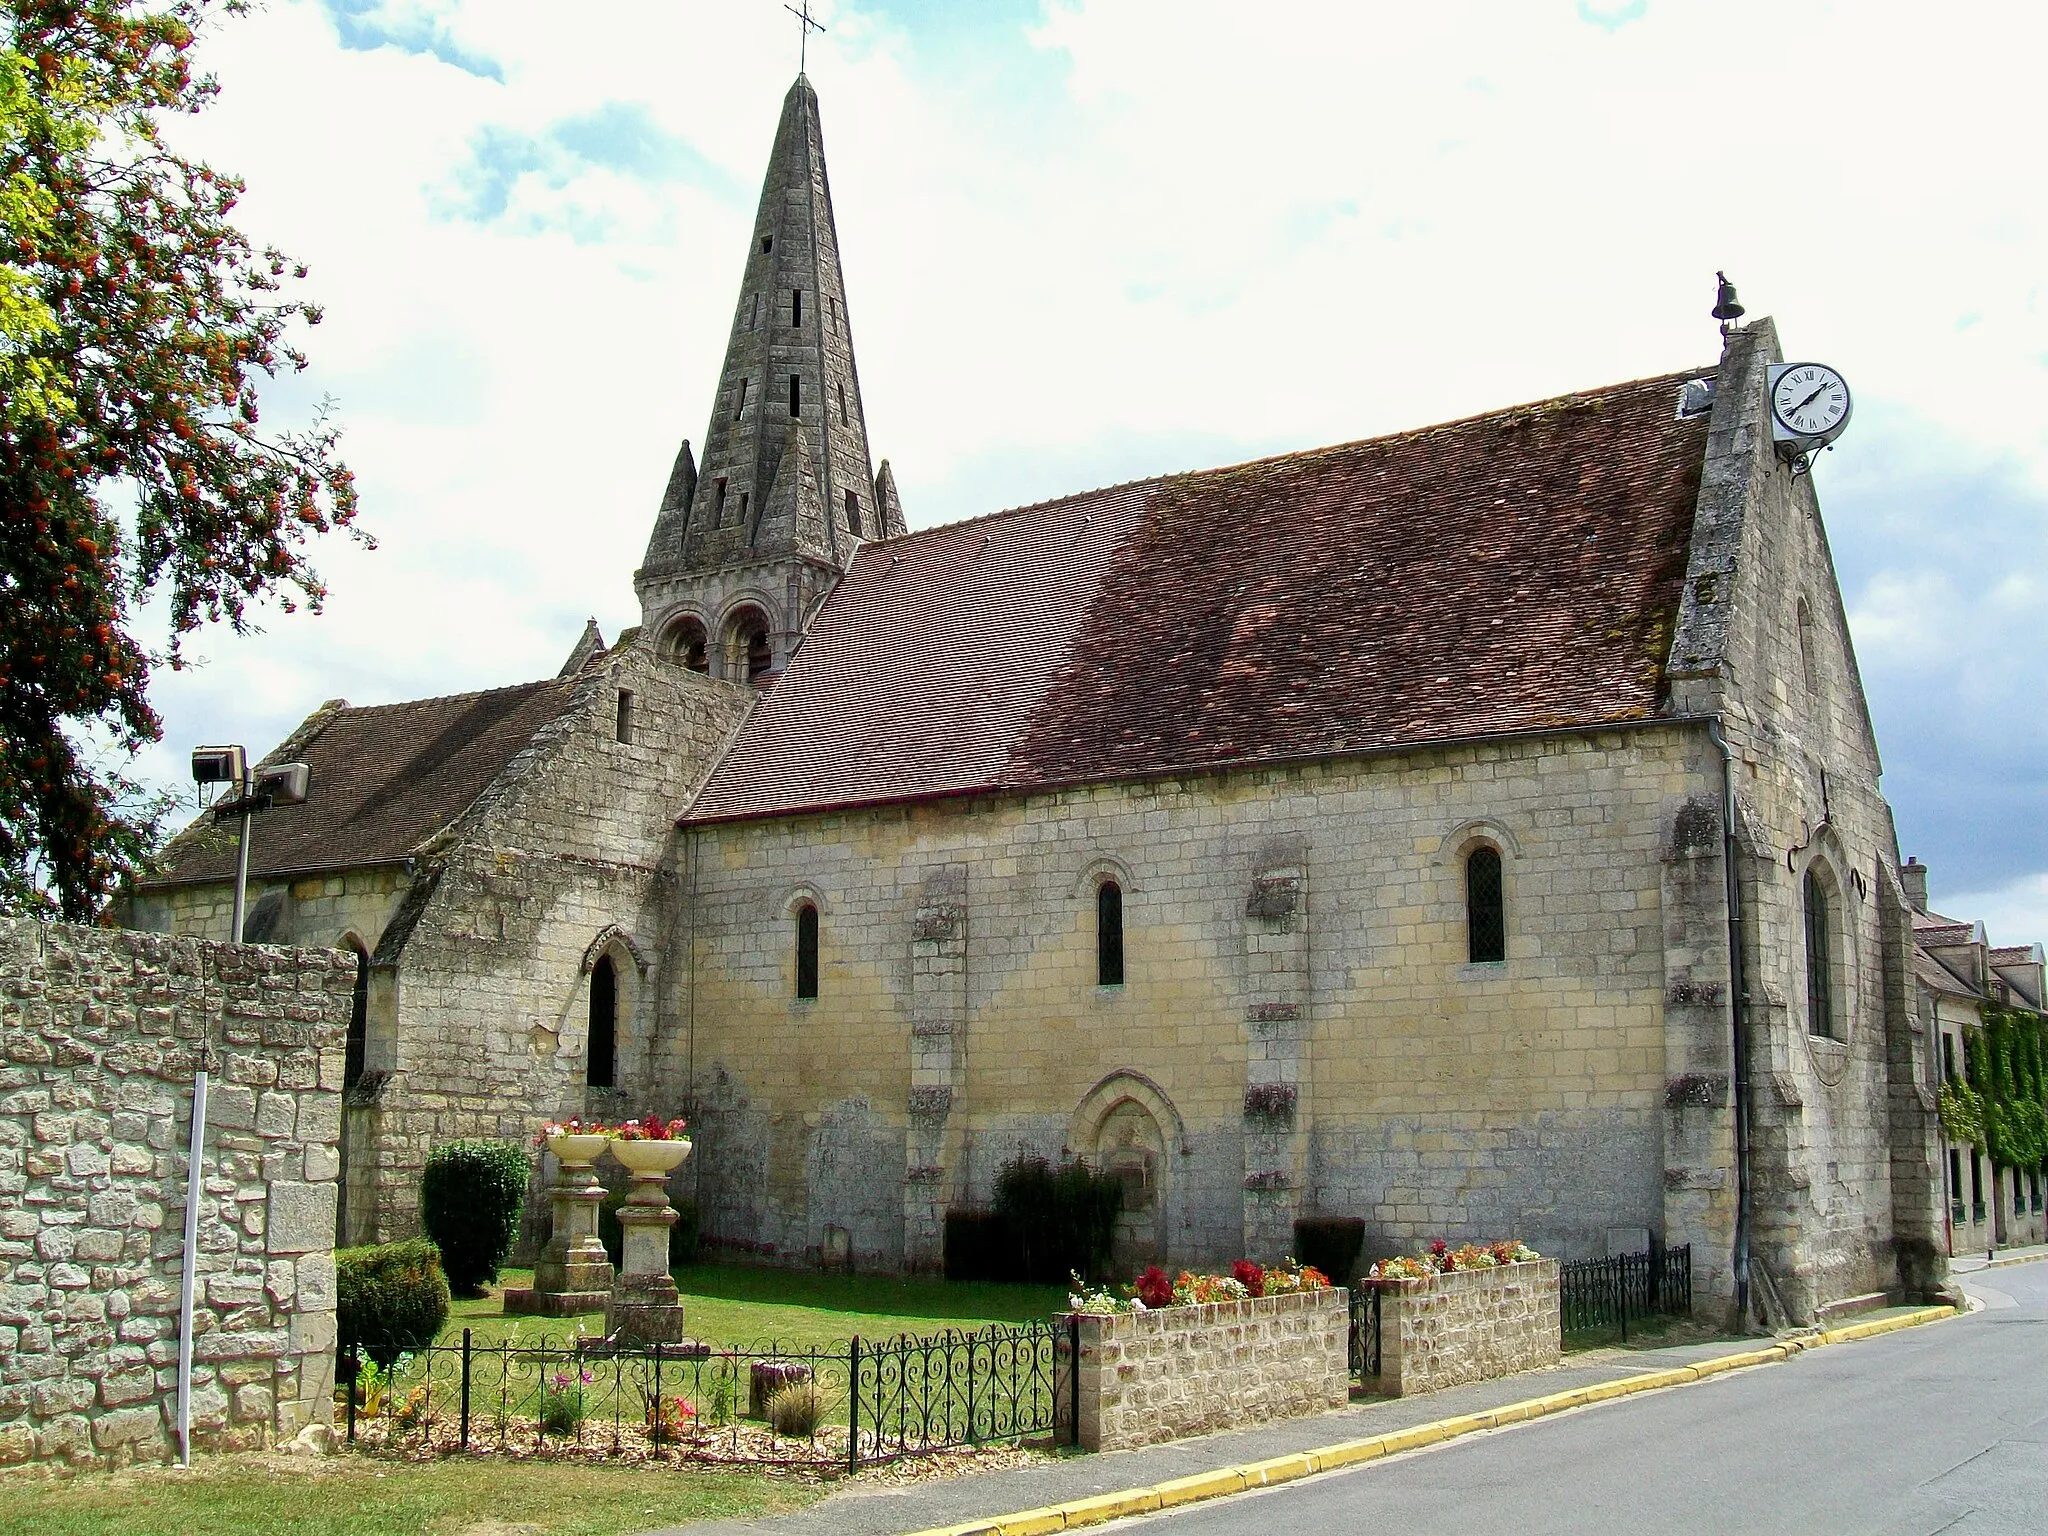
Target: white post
[(191, 1255)]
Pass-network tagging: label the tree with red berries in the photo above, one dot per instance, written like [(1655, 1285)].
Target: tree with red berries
[(136, 322)]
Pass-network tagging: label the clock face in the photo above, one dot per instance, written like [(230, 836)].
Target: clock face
[(1810, 400)]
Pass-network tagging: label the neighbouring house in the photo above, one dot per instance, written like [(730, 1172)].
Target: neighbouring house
[(1342, 833), (1958, 975)]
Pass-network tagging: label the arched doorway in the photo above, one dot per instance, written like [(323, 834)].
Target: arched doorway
[(1126, 1128)]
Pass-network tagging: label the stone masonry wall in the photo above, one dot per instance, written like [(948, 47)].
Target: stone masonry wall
[(99, 1038), (1180, 1371), (1472, 1325)]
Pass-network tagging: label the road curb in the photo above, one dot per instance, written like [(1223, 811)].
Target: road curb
[(1225, 1481)]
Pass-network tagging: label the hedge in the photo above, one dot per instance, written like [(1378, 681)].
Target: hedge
[(1063, 1220), (392, 1299), (471, 1194)]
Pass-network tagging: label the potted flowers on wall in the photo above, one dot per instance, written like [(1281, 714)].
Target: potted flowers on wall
[(1155, 1289)]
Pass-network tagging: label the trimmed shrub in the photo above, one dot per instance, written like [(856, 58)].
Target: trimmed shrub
[(1064, 1220), (471, 1193), (981, 1246), (391, 1299), (1331, 1244), (682, 1237)]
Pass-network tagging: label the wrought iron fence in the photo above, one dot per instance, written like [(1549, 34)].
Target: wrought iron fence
[(1596, 1294), (869, 1400), (1365, 1331)]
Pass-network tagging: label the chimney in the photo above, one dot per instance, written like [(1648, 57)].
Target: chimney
[(1913, 877)]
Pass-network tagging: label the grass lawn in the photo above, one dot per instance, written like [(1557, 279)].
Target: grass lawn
[(357, 1496), (730, 1304)]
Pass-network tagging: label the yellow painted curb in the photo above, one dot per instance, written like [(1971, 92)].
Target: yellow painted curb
[(1204, 1486)]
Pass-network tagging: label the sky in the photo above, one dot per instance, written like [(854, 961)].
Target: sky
[(1087, 241)]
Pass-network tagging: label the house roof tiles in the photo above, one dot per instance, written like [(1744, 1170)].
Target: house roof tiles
[(1509, 572)]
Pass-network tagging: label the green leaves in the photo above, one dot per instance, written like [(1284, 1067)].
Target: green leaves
[(137, 324), (2001, 1104)]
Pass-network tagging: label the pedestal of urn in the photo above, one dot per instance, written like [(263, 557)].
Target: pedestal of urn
[(644, 1306), (572, 1274)]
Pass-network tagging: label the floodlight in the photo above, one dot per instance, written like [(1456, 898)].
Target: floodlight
[(283, 783), (219, 765)]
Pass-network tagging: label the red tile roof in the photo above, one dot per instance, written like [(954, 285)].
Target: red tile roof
[(1509, 572), (385, 780)]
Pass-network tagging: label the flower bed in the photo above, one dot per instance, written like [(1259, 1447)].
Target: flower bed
[(1449, 1316), (1166, 1358)]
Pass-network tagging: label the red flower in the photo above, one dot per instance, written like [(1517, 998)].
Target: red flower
[(1154, 1289), (1250, 1276)]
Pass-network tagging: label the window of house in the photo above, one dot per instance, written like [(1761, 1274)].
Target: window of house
[(1976, 1185), (1486, 918), (1820, 971), (740, 409), (624, 724), (796, 309), (852, 513), (1109, 934), (807, 951), (600, 1064), (1948, 1057), (1955, 1186), (358, 1023), (796, 394)]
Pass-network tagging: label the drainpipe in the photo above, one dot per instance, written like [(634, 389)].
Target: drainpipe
[(1738, 997)]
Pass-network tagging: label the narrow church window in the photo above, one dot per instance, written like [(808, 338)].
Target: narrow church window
[(754, 318), (852, 513), (807, 951), (600, 1064), (625, 718), (1820, 1000), (718, 512), (767, 244), (796, 309), (1486, 918), (832, 313), (741, 409), (358, 1023), (743, 507), (842, 402), (1109, 934), (796, 394)]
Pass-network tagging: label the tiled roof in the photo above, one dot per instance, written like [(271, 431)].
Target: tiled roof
[(1510, 572), (2013, 954), (385, 780), (1939, 978), (1945, 935)]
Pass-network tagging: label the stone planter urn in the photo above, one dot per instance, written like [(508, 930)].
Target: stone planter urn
[(572, 1275), (644, 1306)]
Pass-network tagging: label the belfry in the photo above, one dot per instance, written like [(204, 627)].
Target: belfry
[(748, 541)]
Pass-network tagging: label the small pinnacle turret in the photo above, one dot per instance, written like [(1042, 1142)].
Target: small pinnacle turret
[(748, 537)]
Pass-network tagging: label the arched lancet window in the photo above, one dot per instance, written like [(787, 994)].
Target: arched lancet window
[(1820, 971), (1486, 917), (600, 1066), (1109, 934), (358, 1023), (807, 951)]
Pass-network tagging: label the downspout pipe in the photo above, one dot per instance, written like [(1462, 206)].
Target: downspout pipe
[(1738, 1001)]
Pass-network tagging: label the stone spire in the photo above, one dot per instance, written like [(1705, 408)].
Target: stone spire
[(784, 492)]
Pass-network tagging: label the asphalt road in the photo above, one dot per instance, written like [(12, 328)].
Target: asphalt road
[(1942, 1428)]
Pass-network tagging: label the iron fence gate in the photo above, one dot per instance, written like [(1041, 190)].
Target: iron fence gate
[(1595, 1294)]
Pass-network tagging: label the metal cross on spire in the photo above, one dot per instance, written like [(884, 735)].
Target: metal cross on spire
[(810, 24)]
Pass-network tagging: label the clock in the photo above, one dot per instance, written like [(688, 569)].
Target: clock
[(1809, 404)]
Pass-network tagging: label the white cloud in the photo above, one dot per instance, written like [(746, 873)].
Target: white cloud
[(2011, 914), (1121, 239)]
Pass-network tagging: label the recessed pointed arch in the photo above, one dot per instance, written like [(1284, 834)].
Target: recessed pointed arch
[(1125, 1085)]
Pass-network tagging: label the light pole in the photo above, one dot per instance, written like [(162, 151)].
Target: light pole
[(284, 784)]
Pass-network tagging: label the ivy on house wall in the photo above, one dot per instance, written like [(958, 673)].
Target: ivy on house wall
[(2001, 1101)]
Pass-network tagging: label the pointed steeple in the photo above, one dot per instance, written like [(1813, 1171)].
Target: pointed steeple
[(887, 504), (754, 523), (665, 545)]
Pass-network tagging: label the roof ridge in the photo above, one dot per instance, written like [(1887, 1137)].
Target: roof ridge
[(449, 698), (1404, 434)]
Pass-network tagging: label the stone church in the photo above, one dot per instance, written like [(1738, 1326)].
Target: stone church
[(1475, 830)]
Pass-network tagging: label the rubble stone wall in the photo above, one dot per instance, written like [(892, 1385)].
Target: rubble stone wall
[(100, 1033), (1471, 1325), (1180, 1371)]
